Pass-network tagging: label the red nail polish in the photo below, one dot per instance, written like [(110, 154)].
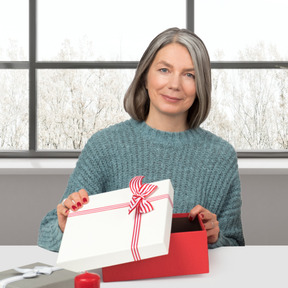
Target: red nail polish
[(202, 216), (190, 218), (84, 200), (67, 211), (79, 204), (74, 207)]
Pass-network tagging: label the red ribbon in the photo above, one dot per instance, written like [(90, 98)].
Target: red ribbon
[(141, 205)]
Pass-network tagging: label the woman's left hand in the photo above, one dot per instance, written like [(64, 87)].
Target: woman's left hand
[(209, 220)]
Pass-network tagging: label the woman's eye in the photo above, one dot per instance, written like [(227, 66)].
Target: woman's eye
[(164, 70), (190, 75)]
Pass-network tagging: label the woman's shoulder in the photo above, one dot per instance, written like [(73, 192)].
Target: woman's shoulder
[(113, 130), (215, 142), (112, 135), (218, 151), (106, 141)]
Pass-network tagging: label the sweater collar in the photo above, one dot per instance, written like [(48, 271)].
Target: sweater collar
[(159, 136)]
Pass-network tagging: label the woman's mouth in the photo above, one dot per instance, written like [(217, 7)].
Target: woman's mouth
[(171, 98)]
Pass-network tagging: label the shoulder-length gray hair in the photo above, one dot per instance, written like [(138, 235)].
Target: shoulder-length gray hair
[(136, 100)]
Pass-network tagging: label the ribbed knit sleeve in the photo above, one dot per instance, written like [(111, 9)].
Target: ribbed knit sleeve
[(50, 234), (229, 214)]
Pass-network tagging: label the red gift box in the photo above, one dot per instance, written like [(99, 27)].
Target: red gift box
[(188, 254)]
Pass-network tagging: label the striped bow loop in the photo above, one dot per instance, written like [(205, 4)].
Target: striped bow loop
[(140, 192)]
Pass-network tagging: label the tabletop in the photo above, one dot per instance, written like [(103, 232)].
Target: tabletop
[(249, 266)]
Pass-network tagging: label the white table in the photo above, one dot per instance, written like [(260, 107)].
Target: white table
[(250, 266)]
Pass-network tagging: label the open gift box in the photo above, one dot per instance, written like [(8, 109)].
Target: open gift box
[(112, 228), (188, 254)]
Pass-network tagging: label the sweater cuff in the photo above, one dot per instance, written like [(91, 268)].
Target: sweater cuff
[(52, 240)]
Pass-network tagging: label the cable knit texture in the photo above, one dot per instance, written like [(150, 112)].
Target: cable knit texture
[(202, 168)]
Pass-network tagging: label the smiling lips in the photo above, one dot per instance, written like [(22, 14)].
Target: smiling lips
[(170, 98)]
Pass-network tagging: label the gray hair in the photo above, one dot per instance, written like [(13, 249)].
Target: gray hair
[(136, 100)]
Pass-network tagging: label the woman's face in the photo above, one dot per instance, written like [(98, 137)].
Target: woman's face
[(171, 83)]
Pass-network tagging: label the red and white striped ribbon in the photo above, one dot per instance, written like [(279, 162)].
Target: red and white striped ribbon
[(141, 205), (116, 206), (140, 192), (135, 236)]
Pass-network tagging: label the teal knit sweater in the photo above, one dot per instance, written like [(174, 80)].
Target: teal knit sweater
[(202, 168)]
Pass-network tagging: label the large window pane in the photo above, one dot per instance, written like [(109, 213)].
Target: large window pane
[(14, 30), (13, 110), (243, 30), (73, 104), (249, 108), (103, 30)]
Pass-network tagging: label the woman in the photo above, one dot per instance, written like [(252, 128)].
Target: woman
[(168, 100)]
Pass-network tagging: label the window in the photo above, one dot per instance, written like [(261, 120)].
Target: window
[(73, 60), (249, 55), (14, 98)]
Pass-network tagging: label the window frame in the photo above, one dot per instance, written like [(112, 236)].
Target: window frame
[(32, 65)]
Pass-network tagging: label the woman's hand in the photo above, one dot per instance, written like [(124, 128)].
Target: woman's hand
[(209, 220), (74, 201)]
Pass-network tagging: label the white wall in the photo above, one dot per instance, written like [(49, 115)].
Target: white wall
[(25, 199)]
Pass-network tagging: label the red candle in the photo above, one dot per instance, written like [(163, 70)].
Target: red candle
[(87, 280)]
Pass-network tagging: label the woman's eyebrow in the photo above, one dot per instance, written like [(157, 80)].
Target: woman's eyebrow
[(162, 62), (189, 69)]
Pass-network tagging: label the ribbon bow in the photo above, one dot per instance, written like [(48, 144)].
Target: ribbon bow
[(28, 273), (140, 192), (37, 270)]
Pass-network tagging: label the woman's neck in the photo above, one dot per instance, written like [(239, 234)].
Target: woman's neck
[(167, 123)]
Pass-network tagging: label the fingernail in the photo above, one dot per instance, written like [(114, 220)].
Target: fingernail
[(202, 216), (74, 207), (190, 218), (79, 204), (67, 211), (84, 200)]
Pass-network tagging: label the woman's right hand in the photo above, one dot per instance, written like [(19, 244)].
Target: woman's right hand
[(74, 202)]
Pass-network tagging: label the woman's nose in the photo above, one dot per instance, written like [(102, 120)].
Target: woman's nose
[(174, 82)]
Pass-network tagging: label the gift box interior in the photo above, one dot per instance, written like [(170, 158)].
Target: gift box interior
[(188, 254)]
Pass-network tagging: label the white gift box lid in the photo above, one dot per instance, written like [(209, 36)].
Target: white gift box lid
[(100, 233)]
